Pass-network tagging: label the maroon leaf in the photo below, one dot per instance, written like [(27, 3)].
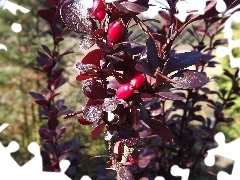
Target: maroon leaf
[(47, 15), (52, 123), (82, 77), (97, 131), (93, 57), (42, 102), (76, 17), (189, 79), (138, 6), (181, 61), (160, 129), (169, 95), (54, 2)]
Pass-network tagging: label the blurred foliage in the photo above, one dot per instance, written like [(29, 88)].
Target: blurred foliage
[(232, 131)]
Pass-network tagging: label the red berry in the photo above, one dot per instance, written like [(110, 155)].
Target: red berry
[(115, 31), (100, 15), (137, 81), (82, 121), (124, 91), (99, 9)]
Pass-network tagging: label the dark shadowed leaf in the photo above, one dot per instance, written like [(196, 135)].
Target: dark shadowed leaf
[(125, 174), (137, 6), (181, 61), (160, 129), (76, 17), (97, 131), (189, 79), (169, 95), (144, 68), (152, 55)]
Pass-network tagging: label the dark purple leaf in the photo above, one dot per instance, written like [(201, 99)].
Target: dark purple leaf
[(67, 146), (220, 42), (181, 61), (47, 15), (52, 123), (71, 171), (60, 131), (143, 67), (42, 54), (43, 61), (160, 129), (76, 17), (37, 95), (169, 95), (138, 6), (125, 174), (52, 96), (42, 102), (152, 55), (47, 50), (128, 137), (189, 79), (44, 133)]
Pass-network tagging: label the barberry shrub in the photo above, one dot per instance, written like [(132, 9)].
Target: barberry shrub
[(129, 85)]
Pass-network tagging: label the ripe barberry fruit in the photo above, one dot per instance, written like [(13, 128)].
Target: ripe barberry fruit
[(137, 81), (124, 91), (100, 15), (99, 10), (115, 31)]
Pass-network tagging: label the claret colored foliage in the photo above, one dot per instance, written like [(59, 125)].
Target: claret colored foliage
[(129, 84)]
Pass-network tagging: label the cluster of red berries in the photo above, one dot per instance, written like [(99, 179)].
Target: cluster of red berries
[(126, 90), (115, 29)]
